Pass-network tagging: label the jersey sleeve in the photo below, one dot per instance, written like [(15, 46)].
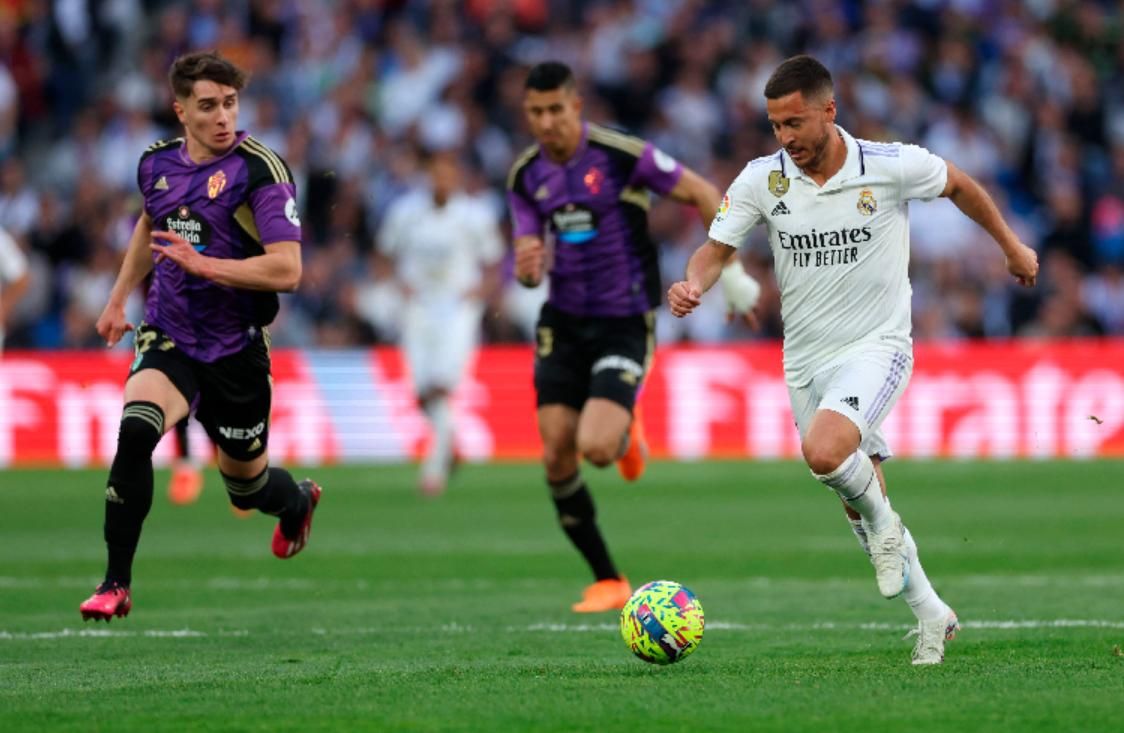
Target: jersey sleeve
[(489, 243), (737, 215), (656, 170), (392, 229), (924, 175), (271, 194), (525, 219)]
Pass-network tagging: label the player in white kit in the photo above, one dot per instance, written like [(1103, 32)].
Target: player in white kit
[(446, 247), (836, 209), (14, 279)]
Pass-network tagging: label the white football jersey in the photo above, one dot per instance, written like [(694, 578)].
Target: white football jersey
[(439, 251), (841, 252)]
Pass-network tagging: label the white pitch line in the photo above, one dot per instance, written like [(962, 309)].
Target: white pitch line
[(271, 584), (1004, 625)]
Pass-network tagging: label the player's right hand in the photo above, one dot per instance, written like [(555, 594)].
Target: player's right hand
[(112, 324), (530, 261), (683, 298), (1023, 265)]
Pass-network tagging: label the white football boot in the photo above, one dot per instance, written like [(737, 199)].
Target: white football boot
[(931, 637), (889, 557)]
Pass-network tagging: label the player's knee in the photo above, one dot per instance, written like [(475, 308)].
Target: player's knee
[(822, 458), (600, 453), (142, 426), (559, 461)]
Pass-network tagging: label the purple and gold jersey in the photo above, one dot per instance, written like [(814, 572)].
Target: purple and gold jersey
[(596, 207), (228, 207)]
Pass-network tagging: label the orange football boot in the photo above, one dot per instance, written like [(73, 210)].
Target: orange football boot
[(631, 464), (186, 484), (604, 595)]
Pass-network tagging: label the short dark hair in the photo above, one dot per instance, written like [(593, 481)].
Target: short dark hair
[(203, 65), (548, 76), (802, 74)]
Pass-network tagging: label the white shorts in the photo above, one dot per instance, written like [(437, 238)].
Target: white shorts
[(863, 387), (439, 343)]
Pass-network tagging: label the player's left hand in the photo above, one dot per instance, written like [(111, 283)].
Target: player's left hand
[(1023, 264), (178, 250)]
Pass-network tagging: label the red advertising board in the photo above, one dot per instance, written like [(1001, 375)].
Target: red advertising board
[(967, 400)]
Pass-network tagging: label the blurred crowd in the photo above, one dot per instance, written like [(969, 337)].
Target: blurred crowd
[(1024, 95)]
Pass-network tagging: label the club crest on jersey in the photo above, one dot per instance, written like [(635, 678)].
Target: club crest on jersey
[(867, 205), (778, 183), (215, 184), (593, 180)]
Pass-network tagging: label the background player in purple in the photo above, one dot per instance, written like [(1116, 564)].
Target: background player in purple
[(588, 188), (221, 234)]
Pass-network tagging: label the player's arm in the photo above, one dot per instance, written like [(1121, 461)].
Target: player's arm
[(530, 260), (111, 324), (971, 198), (694, 190), (278, 270), (703, 270), (739, 288), (13, 274)]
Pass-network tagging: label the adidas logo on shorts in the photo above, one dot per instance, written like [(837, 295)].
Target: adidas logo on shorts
[(780, 209), (852, 402)]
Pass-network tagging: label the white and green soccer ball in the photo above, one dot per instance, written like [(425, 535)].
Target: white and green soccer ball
[(662, 622)]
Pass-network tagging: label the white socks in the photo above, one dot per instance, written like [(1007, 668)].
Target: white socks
[(857, 484), (440, 455), (919, 594)]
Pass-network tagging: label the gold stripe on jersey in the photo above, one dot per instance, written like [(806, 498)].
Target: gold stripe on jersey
[(636, 196), (161, 144), (245, 219), (524, 158), (276, 167), (629, 144)]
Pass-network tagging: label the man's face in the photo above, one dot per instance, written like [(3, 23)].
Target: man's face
[(554, 118), (444, 175), (210, 114), (802, 126)]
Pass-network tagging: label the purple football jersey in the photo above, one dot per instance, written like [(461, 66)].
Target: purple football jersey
[(228, 207), (596, 206)]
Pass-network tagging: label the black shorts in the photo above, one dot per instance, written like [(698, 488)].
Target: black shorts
[(578, 357), (231, 397)]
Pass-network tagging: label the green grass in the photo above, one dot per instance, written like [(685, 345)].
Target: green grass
[(453, 615)]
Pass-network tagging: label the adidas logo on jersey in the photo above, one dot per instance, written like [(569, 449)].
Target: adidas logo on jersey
[(852, 402), (779, 209), (161, 184)]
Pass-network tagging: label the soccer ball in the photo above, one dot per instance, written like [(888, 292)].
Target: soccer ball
[(662, 622)]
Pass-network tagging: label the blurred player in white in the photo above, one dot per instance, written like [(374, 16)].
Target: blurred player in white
[(14, 279), (446, 249), (837, 213)]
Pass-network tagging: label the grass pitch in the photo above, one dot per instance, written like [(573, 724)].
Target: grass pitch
[(453, 615)]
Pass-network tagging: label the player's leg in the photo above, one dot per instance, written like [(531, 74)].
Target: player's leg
[(576, 512), (856, 398), (561, 388), (186, 482), (156, 395), (440, 363), (610, 428), (937, 622), (235, 398)]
